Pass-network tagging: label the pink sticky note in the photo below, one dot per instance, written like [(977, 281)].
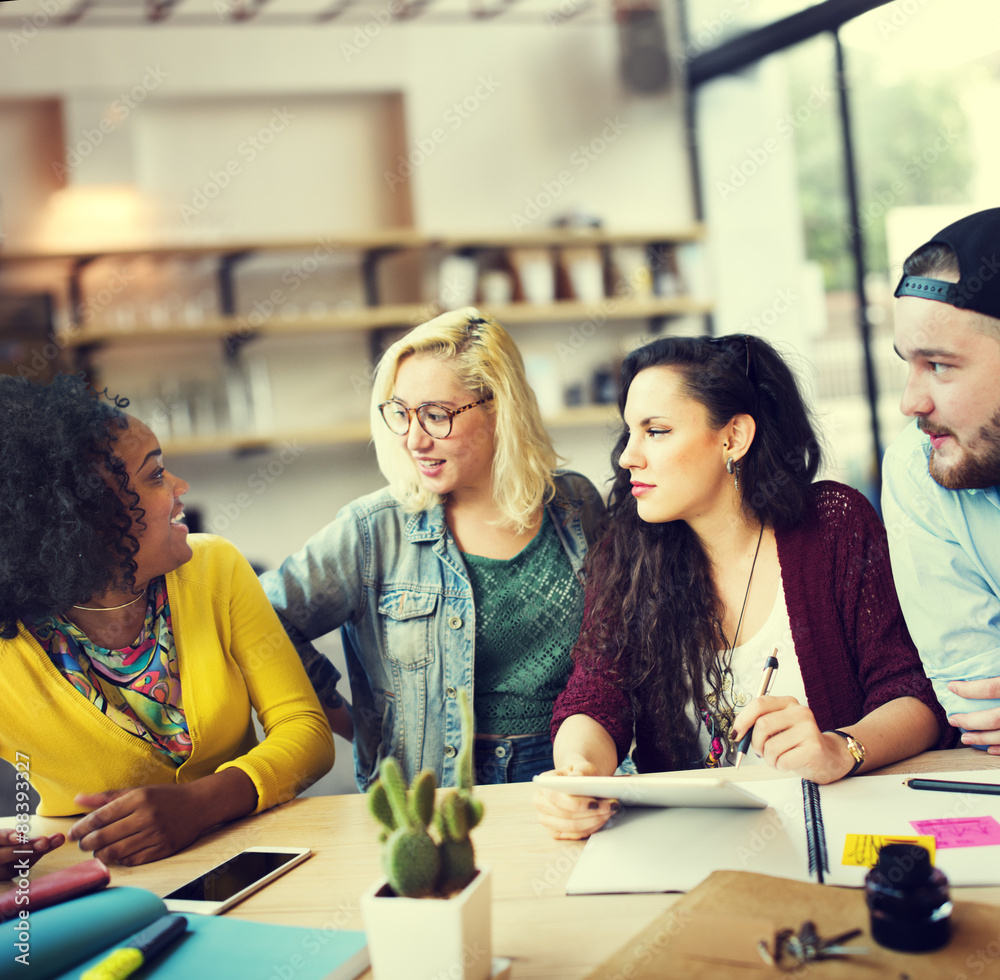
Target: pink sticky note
[(960, 831)]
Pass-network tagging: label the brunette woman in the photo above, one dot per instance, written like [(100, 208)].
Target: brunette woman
[(721, 552)]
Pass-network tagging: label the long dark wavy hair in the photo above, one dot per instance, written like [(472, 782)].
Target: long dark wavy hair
[(654, 617), (67, 511)]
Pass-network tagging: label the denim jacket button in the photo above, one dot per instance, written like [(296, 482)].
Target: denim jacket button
[(450, 752), (455, 622), (450, 692)]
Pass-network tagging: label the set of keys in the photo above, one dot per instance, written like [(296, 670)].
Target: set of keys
[(792, 950)]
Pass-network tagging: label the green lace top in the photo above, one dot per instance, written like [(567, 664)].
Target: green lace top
[(528, 614)]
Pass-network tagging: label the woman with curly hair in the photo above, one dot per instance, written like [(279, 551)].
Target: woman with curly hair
[(721, 551), (131, 654), (461, 574)]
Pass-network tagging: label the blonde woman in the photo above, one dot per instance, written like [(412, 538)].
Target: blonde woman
[(463, 573)]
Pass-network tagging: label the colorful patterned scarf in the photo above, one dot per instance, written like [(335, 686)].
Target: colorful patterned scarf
[(137, 687)]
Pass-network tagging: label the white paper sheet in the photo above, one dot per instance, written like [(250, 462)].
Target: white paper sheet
[(659, 850)]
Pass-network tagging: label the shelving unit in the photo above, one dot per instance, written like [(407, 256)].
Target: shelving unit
[(345, 434), (381, 317), (355, 433), (85, 341)]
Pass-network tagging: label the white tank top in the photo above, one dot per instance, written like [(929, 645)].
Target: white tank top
[(747, 668)]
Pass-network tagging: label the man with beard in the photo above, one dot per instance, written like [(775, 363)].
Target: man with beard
[(940, 499)]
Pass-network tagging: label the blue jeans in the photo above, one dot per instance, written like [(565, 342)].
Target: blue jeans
[(512, 760)]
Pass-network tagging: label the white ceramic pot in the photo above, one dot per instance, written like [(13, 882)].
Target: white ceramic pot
[(430, 938)]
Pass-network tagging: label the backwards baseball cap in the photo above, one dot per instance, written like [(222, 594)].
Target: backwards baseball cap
[(975, 240)]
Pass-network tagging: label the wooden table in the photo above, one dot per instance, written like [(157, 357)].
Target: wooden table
[(545, 933)]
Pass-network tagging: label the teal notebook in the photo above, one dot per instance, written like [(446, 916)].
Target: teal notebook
[(65, 940)]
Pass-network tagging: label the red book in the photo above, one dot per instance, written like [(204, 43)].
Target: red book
[(54, 887)]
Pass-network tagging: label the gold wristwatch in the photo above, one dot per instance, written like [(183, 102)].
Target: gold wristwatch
[(856, 749)]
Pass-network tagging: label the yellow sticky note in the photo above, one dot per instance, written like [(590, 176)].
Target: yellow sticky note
[(862, 849)]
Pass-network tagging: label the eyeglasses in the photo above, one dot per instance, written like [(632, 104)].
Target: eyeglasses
[(434, 419)]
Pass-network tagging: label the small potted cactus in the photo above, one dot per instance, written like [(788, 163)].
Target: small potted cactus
[(430, 917)]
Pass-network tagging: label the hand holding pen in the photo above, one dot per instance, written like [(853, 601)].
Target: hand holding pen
[(770, 666), (789, 738)]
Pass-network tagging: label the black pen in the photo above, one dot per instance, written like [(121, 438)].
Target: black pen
[(770, 666), (954, 786)]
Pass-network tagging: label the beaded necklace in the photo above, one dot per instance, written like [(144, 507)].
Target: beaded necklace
[(723, 700)]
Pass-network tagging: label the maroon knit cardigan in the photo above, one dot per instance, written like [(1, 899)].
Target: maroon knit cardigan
[(853, 647)]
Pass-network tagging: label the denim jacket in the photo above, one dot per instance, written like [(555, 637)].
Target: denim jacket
[(396, 586)]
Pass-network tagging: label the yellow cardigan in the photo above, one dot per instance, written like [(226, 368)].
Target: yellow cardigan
[(233, 655)]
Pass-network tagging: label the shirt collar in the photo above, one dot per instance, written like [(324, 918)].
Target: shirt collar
[(992, 494), (426, 525)]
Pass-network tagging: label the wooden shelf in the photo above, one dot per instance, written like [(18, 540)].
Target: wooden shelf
[(392, 238), (389, 238), (345, 434), (353, 433), (215, 328), (554, 237), (368, 318), (369, 247), (611, 308)]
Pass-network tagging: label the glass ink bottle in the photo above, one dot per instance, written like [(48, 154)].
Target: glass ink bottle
[(908, 900)]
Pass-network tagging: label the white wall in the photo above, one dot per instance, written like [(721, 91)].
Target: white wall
[(504, 109), (748, 154), (503, 127), (29, 139)]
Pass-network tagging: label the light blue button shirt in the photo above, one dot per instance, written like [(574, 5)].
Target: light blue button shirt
[(396, 586), (945, 552)]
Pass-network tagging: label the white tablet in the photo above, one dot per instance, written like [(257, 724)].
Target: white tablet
[(656, 791)]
